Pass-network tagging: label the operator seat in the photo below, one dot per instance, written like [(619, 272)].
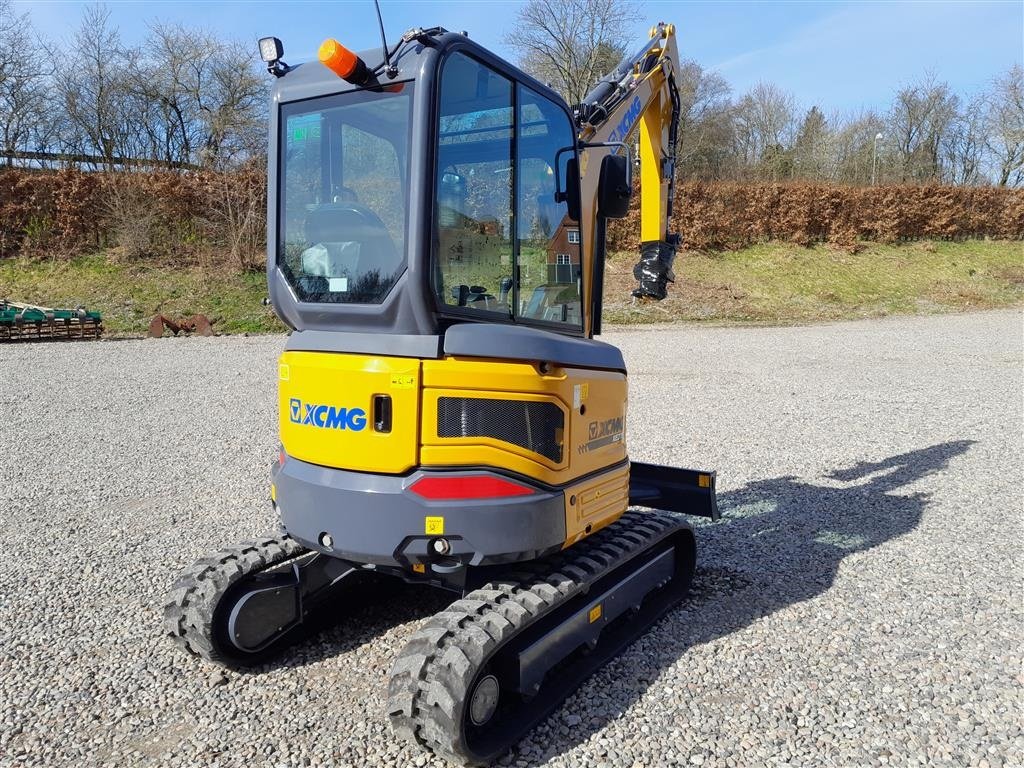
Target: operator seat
[(348, 240)]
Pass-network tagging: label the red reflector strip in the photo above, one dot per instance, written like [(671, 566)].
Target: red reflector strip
[(473, 487)]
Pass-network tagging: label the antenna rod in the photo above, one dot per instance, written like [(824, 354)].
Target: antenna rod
[(389, 70)]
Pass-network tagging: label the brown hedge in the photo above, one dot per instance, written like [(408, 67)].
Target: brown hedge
[(187, 217), (218, 218), (722, 215)]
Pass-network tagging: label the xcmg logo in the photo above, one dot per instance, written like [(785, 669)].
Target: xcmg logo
[(602, 433), (326, 416), (622, 129), (605, 428)]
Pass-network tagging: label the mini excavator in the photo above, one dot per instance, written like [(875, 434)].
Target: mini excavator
[(436, 243)]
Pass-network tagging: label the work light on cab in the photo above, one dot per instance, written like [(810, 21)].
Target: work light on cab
[(271, 51)]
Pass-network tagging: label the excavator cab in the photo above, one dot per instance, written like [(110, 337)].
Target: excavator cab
[(409, 205), (436, 245)]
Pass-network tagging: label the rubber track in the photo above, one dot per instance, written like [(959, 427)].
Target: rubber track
[(190, 610), (431, 678)]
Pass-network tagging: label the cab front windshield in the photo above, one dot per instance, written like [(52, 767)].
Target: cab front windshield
[(342, 189)]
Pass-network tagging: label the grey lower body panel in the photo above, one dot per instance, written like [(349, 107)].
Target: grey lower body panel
[(377, 519)]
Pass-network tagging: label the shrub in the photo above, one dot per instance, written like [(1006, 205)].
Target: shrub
[(218, 218), (720, 215)]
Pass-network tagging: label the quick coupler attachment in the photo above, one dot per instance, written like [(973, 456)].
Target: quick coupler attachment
[(654, 270)]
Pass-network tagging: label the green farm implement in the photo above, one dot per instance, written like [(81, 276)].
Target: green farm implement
[(26, 322)]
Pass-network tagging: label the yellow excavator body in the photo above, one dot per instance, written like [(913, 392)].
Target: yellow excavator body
[(436, 243)]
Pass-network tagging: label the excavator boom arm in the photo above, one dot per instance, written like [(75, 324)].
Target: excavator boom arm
[(641, 99)]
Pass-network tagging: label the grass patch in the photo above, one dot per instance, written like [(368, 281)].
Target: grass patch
[(783, 283), (768, 283), (130, 293)]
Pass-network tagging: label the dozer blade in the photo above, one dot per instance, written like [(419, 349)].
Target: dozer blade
[(672, 489), (480, 674)]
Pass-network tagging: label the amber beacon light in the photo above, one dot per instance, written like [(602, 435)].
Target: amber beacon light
[(342, 62)]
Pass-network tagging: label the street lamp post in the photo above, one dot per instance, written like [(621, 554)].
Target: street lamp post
[(874, 158)]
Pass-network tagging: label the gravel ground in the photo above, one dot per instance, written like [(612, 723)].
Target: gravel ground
[(859, 604)]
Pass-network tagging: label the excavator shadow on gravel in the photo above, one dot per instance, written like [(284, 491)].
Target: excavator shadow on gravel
[(436, 242)]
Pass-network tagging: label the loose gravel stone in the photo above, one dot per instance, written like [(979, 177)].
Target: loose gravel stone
[(859, 603)]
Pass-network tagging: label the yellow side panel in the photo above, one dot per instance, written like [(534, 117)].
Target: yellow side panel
[(594, 402), (595, 503), (325, 402)]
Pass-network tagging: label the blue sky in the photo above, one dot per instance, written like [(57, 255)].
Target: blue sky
[(838, 55)]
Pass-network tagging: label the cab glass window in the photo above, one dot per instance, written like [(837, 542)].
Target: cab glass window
[(474, 248), (504, 244), (342, 195), (549, 255)]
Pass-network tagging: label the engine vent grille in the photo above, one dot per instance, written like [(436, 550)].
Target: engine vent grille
[(537, 427)]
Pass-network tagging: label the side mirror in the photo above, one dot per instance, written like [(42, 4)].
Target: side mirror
[(614, 187), (571, 194), (572, 188)]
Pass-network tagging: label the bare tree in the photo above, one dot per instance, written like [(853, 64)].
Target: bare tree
[(25, 123), (1004, 118), (201, 98), (570, 43), (153, 138), (963, 146), (920, 116), (233, 106), (91, 85), (186, 98), (853, 148), (811, 146), (764, 126), (705, 128)]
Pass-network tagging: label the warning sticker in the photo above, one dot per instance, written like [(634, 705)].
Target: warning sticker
[(434, 526), (595, 613), (579, 395)]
